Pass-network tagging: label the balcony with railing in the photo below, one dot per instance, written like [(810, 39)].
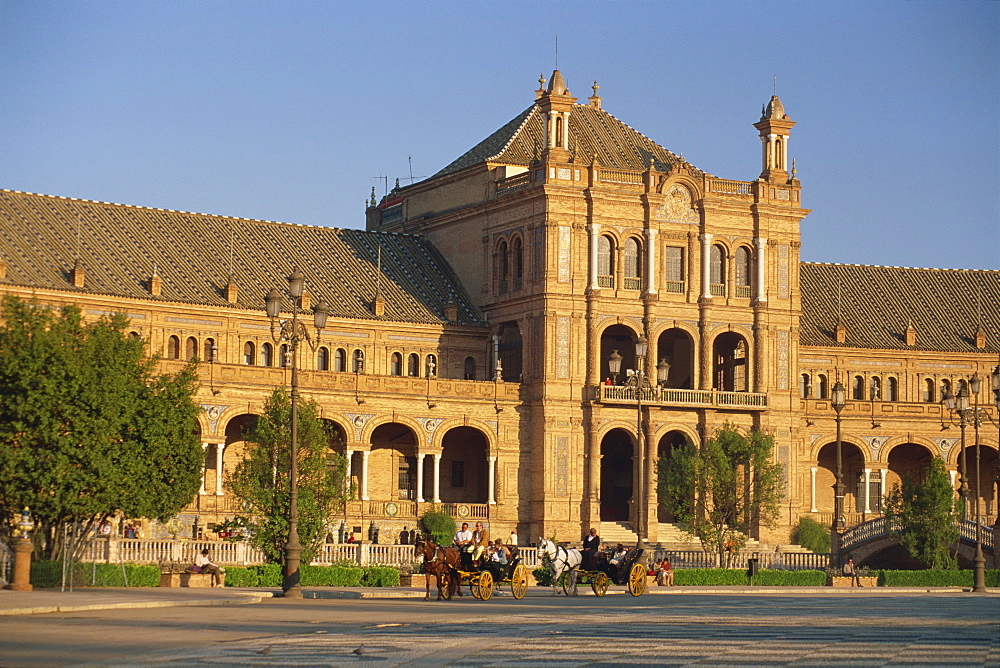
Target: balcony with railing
[(664, 396)]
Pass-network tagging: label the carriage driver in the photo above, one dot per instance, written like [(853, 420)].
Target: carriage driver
[(463, 538), (480, 541)]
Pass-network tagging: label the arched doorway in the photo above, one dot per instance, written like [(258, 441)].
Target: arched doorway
[(730, 356), (622, 339), (982, 481), (668, 444), (616, 475), (464, 466), (907, 459), (852, 470), (392, 464), (675, 345)]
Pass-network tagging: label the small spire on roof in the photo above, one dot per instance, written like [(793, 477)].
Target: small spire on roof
[(595, 100)]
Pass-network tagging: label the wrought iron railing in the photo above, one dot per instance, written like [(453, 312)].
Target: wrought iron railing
[(674, 396)]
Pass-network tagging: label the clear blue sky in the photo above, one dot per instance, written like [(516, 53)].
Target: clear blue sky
[(286, 110)]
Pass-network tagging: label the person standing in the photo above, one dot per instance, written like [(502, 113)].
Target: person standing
[(591, 543), (512, 538)]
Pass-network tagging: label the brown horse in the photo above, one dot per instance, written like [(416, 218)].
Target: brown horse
[(441, 562)]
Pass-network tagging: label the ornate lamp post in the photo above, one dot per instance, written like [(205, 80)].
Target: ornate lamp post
[(838, 399), (614, 365), (294, 332), (21, 578), (995, 378), (640, 382), (662, 372), (960, 405)]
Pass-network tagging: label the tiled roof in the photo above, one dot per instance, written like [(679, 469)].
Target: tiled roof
[(946, 307), (119, 246), (592, 131)]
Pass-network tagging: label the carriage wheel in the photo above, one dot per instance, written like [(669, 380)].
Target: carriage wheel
[(599, 583), (446, 593), (569, 582), (637, 580), (485, 586), (474, 585), (519, 581)]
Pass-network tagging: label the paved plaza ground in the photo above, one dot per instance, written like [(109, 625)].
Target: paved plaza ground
[(723, 628)]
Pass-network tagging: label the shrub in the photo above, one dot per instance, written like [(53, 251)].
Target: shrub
[(239, 576), (710, 576), (774, 578), (811, 535), (380, 576), (49, 574), (440, 525), (331, 576), (934, 578)]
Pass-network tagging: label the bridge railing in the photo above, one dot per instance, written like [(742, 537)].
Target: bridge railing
[(986, 536), (861, 533)]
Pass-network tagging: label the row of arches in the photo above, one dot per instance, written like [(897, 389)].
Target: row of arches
[(390, 464), (192, 349), (675, 349), (874, 388)]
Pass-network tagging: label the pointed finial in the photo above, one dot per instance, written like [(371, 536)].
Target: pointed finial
[(775, 84), (397, 185), (793, 168), (595, 87), (541, 81)]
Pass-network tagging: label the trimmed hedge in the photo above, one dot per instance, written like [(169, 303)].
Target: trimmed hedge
[(269, 575), (738, 577), (934, 578), (49, 574)]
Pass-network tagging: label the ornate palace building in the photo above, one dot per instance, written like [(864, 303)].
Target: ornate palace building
[(481, 354)]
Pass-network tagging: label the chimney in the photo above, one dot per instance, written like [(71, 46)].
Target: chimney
[(78, 275), (840, 333), (910, 334), (980, 337), (451, 312), (231, 291), (305, 301), (3, 268), (378, 306), (155, 284)]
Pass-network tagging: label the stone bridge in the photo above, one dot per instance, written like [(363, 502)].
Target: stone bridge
[(871, 537)]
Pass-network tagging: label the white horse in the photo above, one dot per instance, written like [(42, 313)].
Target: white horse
[(561, 560)]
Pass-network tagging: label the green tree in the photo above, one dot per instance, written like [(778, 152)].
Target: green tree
[(812, 535), (720, 492), (261, 479), (923, 516), (87, 428)]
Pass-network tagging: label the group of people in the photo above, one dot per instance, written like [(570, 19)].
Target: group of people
[(598, 556), (478, 551)]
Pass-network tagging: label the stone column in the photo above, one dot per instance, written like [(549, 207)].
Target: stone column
[(349, 455), (492, 479), (882, 491), (761, 287), (706, 266), (595, 235), (220, 448), (420, 476), (565, 136), (437, 477), (866, 493), (812, 489), (204, 471), (364, 474), (651, 261)]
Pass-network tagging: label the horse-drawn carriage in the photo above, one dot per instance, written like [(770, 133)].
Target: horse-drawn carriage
[(566, 565), (454, 569)]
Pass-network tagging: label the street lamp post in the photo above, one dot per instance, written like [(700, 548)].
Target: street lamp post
[(294, 332), (995, 378), (838, 399), (973, 415)]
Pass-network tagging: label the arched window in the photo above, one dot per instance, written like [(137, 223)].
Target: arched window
[(876, 388), (674, 269), (517, 259), (824, 387), (266, 354), (928, 396), (431, 365), (323, 359), (717, 271), (413, 365), (743, 264), (945, 388), (805, 386), (470, 368), (358, 361), (249, 354), (605, 263), (396, 365), (284, 358), (210, 350), (963, 386), (134, 334), (633, 264), (891, 389), (340, 360), (191, 348), (858, 387), (173, 348), (503, 266)]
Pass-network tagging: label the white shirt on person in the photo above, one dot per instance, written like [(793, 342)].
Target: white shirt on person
[(463, 536)]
